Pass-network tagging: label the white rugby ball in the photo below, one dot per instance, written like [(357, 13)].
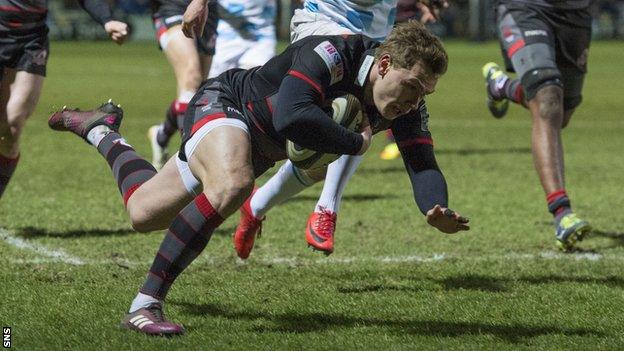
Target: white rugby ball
[(346, 111)]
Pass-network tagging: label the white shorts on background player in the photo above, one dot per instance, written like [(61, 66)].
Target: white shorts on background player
[(334, 17), (246, 35)]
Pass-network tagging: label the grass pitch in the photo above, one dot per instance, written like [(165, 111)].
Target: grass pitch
[(71, 263)]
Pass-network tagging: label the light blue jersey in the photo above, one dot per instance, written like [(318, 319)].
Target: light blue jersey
[(249, 19), (373, 18)]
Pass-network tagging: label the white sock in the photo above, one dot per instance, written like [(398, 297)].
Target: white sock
[(338, 174), (97, 133), (286, 183), (186, 96), (142, 301)]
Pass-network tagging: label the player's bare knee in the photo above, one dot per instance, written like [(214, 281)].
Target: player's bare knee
[(230, 194), (550, 103), (141, 217)]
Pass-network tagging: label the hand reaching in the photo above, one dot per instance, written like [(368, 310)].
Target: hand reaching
[(447, 220)]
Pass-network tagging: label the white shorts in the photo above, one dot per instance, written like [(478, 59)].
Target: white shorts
[(304, 24), (241, 53), (191, 183)]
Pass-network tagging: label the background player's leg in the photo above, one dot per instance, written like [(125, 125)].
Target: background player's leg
[(547, 112), (258, 53), (19, 94), (185, 60)]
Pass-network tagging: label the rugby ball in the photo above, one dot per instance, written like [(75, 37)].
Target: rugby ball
[(346, 111)]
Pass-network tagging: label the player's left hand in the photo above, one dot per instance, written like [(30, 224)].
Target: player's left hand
[(430, 9), (195, 18), (447, 220), (117, 31)]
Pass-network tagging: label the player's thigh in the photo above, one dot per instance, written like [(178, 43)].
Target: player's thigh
[(528, 44), (230, 49), (156, 202), (258, 54), (182, 52), (20, 93), (222, 162)]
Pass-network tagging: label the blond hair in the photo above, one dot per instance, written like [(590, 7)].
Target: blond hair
[(410, 43)]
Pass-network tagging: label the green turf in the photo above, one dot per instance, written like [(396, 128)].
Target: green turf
[(393, 282)]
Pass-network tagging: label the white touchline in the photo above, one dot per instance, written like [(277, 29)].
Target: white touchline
[(59, 256), (56, 255)]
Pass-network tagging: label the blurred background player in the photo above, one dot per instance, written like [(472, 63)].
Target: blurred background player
[(246, 35), (24, 50), (546, 43), (190, 59)]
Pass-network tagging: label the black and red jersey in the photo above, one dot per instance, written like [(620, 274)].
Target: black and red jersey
[(310, 73), (285, 99)]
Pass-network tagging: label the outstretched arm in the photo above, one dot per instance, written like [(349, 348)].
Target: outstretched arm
[(101, 13), (428, 183)]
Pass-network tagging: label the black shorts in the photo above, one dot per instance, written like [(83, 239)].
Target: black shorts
[(25, 51), (213, 101), (534, 37), (170, 14)]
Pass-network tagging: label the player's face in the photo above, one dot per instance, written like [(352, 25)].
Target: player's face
[(397, 91)]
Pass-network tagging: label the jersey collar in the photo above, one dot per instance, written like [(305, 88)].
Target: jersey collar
[(367, 63)]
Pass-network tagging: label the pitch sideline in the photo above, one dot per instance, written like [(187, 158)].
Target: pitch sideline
[(49, 255)]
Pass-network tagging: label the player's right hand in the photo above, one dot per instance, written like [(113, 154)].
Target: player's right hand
[(430, 9), (117, 31), (367, 134), (447, 220), (194, 18)]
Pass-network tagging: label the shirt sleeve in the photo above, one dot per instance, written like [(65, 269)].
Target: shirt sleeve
[(299, 115), (97, 9), (411, 133), (300, 119)]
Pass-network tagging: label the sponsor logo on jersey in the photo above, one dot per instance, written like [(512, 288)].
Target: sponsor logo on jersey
[(332, 59)]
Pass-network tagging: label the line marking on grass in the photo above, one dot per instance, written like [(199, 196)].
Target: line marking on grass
[(54, 255), (59, 256)]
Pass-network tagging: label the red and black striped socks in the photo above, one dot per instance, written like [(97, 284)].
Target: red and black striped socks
[(558, 204), (186, 238), (129, 169), (174, 121), (7, 167)]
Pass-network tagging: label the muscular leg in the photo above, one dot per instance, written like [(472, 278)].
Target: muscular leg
[(188, 66), (182, 54), (19, 94), (156, 202), (222, 162), (547, 112)]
